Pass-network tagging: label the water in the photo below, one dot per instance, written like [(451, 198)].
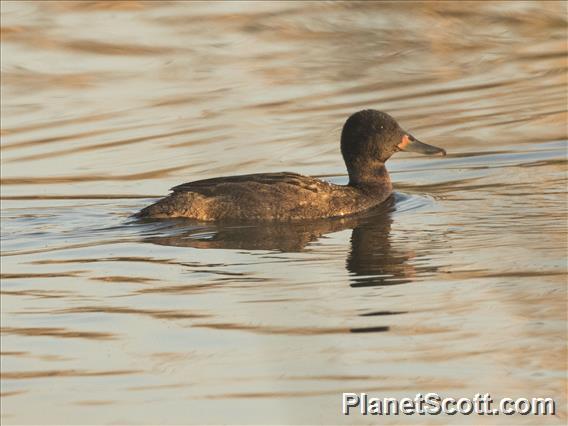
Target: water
[(459, 287)]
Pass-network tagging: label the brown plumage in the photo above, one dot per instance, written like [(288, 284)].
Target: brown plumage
[(266, 196), (368, 140)]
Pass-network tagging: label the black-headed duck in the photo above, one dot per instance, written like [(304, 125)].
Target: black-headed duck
[(368, 139)]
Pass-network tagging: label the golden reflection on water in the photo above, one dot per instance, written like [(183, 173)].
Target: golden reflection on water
[(457, 287)]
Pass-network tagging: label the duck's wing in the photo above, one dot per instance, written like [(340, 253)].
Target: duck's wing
[(264, 196), (209, 186)]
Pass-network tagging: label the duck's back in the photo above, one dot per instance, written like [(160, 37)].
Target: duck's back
[(264, 196)]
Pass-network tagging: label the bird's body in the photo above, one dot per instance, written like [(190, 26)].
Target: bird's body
[(368, 140), (266, 196)]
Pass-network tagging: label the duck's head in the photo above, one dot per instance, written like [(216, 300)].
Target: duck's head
[(370, 137)]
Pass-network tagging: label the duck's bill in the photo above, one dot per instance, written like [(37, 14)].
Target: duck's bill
[(411, 144)]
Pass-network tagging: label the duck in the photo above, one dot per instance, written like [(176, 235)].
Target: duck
[(368, 139)]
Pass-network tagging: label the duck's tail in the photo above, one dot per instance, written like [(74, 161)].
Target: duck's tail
[(177, 204), (160, 209)]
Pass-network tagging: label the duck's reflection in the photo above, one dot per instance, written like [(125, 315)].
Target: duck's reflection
[(371, 260)]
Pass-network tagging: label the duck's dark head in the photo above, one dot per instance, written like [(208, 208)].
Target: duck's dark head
[(370, 137)]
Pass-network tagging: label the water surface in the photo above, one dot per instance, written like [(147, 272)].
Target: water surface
[(458, 286)]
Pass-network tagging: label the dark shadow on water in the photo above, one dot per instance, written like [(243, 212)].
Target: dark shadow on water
[(371, 259)]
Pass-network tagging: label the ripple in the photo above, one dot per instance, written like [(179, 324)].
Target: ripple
[(22, 375), (56, 332)]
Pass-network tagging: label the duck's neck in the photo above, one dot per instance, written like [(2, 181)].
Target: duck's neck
[(371, 177)]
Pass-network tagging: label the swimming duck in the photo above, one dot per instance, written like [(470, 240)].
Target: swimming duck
[(368, 139)]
